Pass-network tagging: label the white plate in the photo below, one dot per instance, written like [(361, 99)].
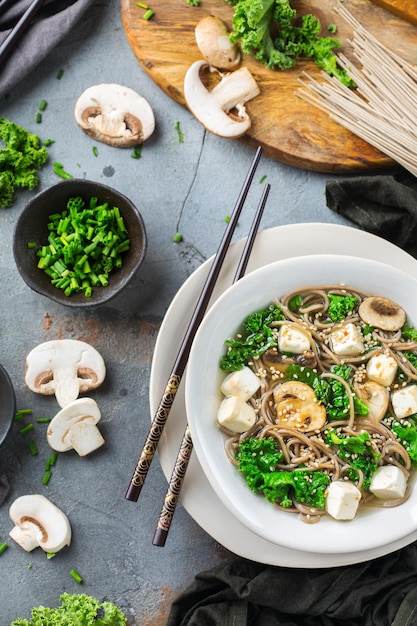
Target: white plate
[(197, 495)]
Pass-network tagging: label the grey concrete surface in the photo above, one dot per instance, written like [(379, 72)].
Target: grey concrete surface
[(188, 187)]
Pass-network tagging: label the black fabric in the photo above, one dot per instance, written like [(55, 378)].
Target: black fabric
[(49, 26), (382, 592), (385, 205)]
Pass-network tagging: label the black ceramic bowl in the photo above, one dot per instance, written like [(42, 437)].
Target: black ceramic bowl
[(7, 405), (32, 227)]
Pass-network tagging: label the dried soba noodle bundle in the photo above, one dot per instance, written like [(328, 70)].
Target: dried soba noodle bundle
[(382, 110)]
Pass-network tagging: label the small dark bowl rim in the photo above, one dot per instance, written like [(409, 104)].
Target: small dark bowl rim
[(39, 282), (8, 405)]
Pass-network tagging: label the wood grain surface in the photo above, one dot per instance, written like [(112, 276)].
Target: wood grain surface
[(289, 129)]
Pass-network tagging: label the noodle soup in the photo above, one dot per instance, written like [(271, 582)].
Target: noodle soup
[(319, 402)]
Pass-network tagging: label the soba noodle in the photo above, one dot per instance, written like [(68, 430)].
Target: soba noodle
[(303, 448)]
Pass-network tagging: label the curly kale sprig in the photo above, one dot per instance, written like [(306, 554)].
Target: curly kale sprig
[(20, 158)]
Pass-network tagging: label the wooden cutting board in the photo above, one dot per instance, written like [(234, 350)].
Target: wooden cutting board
[(289, 129)]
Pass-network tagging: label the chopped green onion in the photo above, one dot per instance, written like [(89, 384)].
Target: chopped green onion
[(149, 13), (50, 461), (60, 74), (59, 170), (142, 5), (50, 555), (42, 105), (179, 132), (227, 219), (137, 152), (261, 180), (76, 576), (38, 117), (85, 243), (32, 447), (95, 151), (43, 420), (26, 429), (3, 547), (46, 477), (177, 237), (48, 142), (21, 413), (31, 245)]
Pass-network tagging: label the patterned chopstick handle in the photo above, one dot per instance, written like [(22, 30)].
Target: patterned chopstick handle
[(174, 488), (153, 438)]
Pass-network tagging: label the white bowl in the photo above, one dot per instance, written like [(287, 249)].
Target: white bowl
[(373, 527)]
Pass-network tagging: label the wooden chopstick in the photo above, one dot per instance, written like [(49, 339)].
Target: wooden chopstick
[(19, 29), (168, 396), (186, 447)]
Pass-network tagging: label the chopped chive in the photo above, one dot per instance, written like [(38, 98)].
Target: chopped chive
[(59, 170), (227, 219), (21, 413), (76, 576), (31, 245), (42, 105), (50, 461), (33, 449), (60, 74), (46, 477), (142, 5), (95, 151), (261, 180), (149, 13), (48, 142), (3, 547), (38, 117), (177, 237), (43, 420), (179, 132), (26, 429), (137, 152), (50, 555)]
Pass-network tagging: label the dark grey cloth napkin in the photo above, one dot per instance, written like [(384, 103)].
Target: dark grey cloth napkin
[(385, 205), (382, 592), (52, 22)]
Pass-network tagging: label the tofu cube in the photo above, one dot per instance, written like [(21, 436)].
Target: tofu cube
[(388, 483), (243, 384), (382, 369), (347, 340), (342, 500), (290, 339), (236, 415), (404, 401)]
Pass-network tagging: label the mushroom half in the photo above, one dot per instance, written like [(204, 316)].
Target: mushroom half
[(64, 367), (74, 427), (115, 115), (221, 109), (39, 523), (214, 43)]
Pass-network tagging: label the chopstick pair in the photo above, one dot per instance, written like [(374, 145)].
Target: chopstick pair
[(186, 447), (20, 28), (159, 420)]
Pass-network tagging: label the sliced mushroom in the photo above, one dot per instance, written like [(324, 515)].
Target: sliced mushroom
[(38, 522), (214, 43), (274, 360), (74, 427), (213, 108), (375, 396), (382, 313), (297, 407), (64, 367), (114, 115)]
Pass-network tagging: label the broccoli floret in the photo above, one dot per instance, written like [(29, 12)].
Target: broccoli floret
[(20, 158), (79, 609)]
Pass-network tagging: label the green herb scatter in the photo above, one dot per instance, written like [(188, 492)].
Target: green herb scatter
[(255, 339), (20, 158), (79, 609), (255, 21)]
